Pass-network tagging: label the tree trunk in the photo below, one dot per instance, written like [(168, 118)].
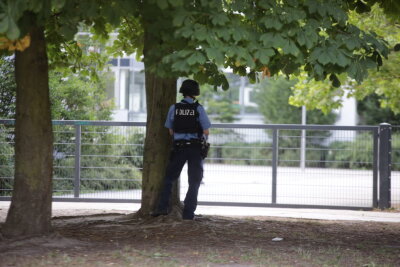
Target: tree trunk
[(160, 95), (30, 211)]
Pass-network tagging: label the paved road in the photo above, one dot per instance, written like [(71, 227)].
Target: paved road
[(253, 184)]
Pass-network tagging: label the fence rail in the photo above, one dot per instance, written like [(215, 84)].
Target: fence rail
[(352, 167)]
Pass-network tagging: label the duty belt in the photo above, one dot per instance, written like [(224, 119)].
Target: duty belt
[(186, 143)]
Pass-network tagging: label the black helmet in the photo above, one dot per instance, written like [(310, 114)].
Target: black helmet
[(190, 88)]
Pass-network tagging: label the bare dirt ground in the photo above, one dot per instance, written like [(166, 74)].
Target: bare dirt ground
[(118, 240)]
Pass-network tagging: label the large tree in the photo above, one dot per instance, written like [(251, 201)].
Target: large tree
[(37, 30), (176, 38)]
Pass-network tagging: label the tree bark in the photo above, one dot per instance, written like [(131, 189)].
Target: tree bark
[(30, 210), (160, 95)]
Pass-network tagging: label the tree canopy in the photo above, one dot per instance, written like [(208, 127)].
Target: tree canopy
[(382, 82), (254, 36)]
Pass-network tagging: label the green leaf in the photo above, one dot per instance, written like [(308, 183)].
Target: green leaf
[(272, 23), (223, 33), (318, 70), (195, 58), (264, 4), (312, 6), (180, 65), (219, 19), (201, 77), (342, 60), (58, 4), (264, 55), (322, 9), (178, 19), (352, 43), (163, 4), (4, 24), (217, 55), (279, 41), (324, 58), (357, 72), (186, 31), (68, 32), (13, 32), (301, 38), (200, 32), (311, 37), (176, 3), (237, 36), (225, 83), (267, 39), (290, 47), (184, 53)]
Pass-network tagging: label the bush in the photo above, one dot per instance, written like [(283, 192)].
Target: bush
[(260, 154), (359, 153)]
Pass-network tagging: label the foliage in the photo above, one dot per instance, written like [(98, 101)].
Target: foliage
[(251, 36), (371, 113), (218, 103), (272, 96), (62, 20), (7, 88), (78, 97), (382, 81), (260, 154), (358, 153), (73, 97)]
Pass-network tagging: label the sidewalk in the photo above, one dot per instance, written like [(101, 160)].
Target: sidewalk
[(85, 208)]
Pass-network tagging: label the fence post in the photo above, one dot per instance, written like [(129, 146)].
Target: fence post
[(375, 165), (385, 162), (77, 180), (274, 163)]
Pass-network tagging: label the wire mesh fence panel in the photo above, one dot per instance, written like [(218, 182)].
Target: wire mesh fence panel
[(111, 162), (64, 160), (395, 177), (238, 167), (325, 167), (247, 164), (6, 159)]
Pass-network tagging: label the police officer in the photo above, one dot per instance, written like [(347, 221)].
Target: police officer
[(189, 125)]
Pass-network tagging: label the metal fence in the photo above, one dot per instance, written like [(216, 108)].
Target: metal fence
[(248, 165), (395, 174)]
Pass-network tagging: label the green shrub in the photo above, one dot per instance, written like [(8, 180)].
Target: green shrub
[(357, 154)]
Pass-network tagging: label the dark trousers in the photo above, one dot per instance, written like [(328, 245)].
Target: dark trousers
[(179, 156)]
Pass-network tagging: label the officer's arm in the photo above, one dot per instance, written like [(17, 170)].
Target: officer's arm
[(204, 121), (171, 132)]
